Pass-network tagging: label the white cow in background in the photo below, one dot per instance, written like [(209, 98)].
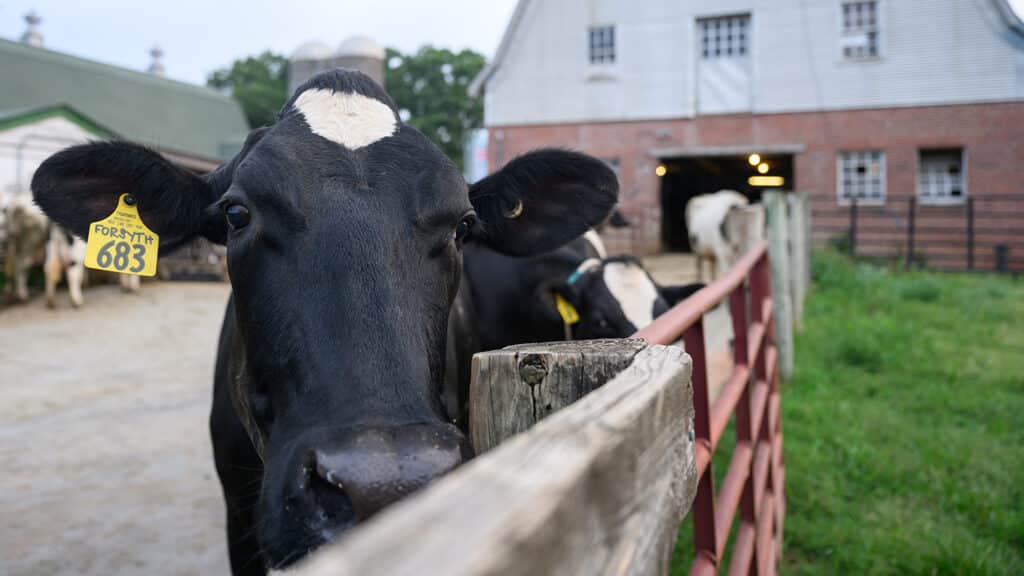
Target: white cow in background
[(64, 254), (26, 241), (721, 227), (31, 238)]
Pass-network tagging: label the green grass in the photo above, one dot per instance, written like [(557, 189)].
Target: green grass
[(904, 426)]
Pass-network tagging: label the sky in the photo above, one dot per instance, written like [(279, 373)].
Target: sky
[(199, 36)]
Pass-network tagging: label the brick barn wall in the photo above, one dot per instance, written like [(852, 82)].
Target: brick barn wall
[(991, 135)]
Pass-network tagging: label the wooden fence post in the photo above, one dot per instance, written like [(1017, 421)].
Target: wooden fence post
[(598, 488), (515, 387), (798, 253), (778, 254)]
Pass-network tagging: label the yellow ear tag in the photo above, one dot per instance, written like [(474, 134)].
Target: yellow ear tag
[(122, 243), (566, 310)]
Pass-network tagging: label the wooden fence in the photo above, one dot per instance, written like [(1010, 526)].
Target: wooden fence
[(592, 453)]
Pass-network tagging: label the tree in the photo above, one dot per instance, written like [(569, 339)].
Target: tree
[(430, 90), (259, 84)]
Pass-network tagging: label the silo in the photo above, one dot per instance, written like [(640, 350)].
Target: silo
[(363, 54), (307, 60)]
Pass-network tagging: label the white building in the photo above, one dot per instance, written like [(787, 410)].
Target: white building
[(879, 100)]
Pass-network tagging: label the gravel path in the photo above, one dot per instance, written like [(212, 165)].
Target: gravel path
[(103, 434)]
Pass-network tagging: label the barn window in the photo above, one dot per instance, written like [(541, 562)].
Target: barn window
[(602, 44), (859, 29), (862, 176), (940, 179), (724, 37)]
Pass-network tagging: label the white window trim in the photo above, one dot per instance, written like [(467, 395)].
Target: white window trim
[(861, 201), (948, 200), (882, 36)]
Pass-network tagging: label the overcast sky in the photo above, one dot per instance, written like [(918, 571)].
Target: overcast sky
[(199, 36)]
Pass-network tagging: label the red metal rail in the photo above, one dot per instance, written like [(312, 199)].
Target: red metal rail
[(754, 481)]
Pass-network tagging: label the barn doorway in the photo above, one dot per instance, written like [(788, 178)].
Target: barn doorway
[(683, 178)]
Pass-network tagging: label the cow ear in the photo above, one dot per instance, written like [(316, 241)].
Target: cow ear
[(82, 184), (618, 220), (542, 200), (676, 294)]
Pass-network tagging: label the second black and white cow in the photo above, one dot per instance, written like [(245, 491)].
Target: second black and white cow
[(506, 300), (515, 299), (344, 230)]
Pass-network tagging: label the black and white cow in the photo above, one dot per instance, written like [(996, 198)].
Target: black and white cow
[(344, 230), (515, 298), (505, 300)]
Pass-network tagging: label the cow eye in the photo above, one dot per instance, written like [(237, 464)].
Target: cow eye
[(237, 215), (464, 228)]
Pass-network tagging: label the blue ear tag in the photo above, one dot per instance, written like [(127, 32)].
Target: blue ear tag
[(575, 276)]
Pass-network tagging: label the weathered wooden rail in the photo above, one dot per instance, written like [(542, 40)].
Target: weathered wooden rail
[(754, 481)]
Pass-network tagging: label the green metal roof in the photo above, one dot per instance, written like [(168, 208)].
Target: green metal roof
[(15, 118), (167, 114)]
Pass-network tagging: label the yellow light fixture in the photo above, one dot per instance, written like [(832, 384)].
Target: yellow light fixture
[(754, 159), (769, 181), (763, 168), (661, 170)]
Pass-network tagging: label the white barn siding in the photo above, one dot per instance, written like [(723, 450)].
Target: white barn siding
[(932, 52), (38, 140)]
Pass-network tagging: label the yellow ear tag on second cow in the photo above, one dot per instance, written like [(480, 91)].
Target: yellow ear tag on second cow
[(121, 242), (566, 310)]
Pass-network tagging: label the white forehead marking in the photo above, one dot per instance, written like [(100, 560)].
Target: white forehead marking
[(350, 119), (595, 241), (634, 291)]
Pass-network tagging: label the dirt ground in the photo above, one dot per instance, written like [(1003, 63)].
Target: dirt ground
[(103, 434)]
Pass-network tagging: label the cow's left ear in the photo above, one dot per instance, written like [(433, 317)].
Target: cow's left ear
[(82, 184), (676, 294), (542, 200)]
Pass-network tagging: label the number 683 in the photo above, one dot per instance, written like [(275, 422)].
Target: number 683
[(118, 254)]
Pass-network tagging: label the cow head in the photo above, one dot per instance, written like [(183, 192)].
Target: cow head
[(344, 229), (614, 297)]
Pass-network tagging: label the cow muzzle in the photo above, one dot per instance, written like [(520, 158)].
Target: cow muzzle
[(348, 477)]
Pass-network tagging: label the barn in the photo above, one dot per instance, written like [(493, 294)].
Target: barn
[(901, 120), (50, 100)]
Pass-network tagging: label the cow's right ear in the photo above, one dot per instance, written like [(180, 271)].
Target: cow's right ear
[(542, 200), (82, 184)]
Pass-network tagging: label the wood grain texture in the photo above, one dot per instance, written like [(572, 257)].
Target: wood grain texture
[(515, 387), (597, 488)]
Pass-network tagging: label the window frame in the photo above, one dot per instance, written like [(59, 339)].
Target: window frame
[(882, 174), (743, 49), (948, 200), (879, 29), (611, 48)]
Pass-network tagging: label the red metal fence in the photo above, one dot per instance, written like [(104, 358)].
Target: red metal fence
[(754, 481), (981, 232)]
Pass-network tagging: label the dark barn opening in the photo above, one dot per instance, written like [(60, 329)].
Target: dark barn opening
[(687, 177)]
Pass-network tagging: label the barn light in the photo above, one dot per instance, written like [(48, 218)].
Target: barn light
[(772, 181), (754, 159), (763, 168), (661, 170)]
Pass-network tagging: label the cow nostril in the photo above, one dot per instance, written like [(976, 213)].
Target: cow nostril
[(330, 496)]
